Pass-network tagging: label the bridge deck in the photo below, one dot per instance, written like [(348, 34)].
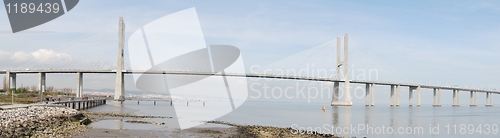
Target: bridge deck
[(251, 76)]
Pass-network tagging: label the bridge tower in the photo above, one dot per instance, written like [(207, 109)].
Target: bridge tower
[(119, 85), (347, 93)]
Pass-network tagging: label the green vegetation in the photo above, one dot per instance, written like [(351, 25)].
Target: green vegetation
[(29, 97), (29, 94)]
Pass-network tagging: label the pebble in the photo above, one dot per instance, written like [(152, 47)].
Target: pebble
[(37, 121)]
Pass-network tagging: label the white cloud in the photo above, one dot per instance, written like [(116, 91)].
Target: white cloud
[(5, 55), (41, 55)]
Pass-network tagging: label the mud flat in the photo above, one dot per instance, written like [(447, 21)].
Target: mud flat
[(215, 129)]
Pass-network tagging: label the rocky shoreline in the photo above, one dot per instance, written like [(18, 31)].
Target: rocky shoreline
[(41, 121), (44, 121)]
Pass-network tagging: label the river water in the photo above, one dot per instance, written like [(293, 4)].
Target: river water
[(359, 121)]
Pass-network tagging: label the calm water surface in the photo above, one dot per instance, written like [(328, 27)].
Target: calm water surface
[(359, 121)]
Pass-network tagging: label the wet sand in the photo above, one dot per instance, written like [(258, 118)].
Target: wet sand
[(225, 130), (194, 132)]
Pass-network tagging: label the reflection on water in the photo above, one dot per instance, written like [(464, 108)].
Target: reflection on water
[(303, 115), (119, 124), (118, 107)]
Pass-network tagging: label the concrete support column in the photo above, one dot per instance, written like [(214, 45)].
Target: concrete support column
[(392, 95), (475, 98), (434, 97), (418, 96), (7, 76), (489, 97), (14, 80), (454, 98), (335, 97), (410, 96), (336, 85), (397, 95), (471, 98), (367, 95), (347, 85), (41, 82), (372, 94), (439, 97), (119, 82), (79, 85)]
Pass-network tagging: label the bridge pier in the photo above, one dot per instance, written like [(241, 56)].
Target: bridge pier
[(418, 96), (410, 96), (79, 85), (41, 82), (434, 95), (10, 76), (14, 80), (369, 97), (489, 101), (372, 93), (392, 95), (456, 98), (335, 97), (398, 95), (437, 97), (7, 81), (473, 98)]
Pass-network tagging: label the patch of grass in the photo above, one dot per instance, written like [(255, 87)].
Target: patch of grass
[(24, 98)]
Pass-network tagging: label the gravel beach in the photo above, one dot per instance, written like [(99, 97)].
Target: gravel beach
[(41, 121)]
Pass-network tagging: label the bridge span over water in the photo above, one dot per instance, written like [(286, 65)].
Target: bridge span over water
[(369, 91)]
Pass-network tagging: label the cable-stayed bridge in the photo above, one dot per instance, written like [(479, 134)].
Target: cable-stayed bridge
[(101, 62)]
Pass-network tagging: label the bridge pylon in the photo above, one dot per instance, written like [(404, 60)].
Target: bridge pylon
[(120, 83), (345, 64)]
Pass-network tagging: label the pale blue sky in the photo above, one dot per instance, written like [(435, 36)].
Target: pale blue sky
[(446, 42)]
